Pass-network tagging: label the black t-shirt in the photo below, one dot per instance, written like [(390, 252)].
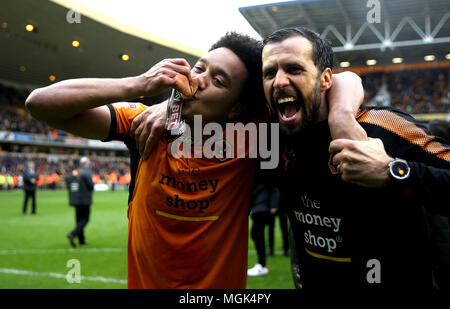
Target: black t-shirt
[(350, 236)]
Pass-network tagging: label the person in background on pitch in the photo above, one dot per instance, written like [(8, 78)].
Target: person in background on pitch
[(30, 178), (282, 215), (264, 204), (113, 180), (80, 187)]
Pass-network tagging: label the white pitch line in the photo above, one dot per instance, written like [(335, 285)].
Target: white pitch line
[(70, 250), (59, 276)]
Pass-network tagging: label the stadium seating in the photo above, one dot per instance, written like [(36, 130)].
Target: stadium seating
[(414, 91), (54, 168), (52, 163)]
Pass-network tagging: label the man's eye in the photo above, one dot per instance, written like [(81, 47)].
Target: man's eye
[(198, 68), (217, 81), (295, 70), (269, 74)]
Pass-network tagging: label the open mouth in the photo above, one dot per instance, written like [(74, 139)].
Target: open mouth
[(288, 107)]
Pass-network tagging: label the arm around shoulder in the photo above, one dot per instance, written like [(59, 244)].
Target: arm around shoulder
[(344, 100)]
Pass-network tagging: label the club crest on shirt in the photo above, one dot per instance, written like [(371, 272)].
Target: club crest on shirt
[(220, 150)]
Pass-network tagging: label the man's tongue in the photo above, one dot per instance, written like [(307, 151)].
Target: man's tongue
[(289, 109)]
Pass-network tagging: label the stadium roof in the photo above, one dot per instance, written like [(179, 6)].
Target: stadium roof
[(364, 29), (30, 58)]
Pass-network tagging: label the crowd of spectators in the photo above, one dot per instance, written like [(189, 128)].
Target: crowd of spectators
[(13, 115), (413, 91), (53, 169)]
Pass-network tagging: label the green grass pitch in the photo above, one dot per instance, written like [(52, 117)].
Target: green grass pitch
[(34, 250)]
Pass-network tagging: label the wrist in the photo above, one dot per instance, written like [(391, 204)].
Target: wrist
[(343, 124), (134, 86)]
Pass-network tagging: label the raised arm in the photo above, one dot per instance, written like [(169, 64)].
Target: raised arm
[(77, 106), (344, 99)]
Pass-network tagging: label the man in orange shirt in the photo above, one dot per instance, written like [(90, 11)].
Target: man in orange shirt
[(188, 217)]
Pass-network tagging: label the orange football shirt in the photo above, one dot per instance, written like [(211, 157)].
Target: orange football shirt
[(188, 218)]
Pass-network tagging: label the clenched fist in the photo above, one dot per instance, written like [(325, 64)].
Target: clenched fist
[(364, 163), (168, 73)]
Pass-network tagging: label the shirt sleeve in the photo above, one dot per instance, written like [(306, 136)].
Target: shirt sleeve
[(122, 115), (428, 156), (433, 183), (429, 159)]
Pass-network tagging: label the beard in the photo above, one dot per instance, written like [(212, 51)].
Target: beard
[(310, 111)]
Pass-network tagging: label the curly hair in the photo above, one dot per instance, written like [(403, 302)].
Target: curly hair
[(249, 50)]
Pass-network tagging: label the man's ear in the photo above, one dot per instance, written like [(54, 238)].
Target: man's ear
[(326, 79), (236, 111)]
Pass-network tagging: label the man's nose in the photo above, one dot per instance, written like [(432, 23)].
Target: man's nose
[(281, 80), (202, 80)]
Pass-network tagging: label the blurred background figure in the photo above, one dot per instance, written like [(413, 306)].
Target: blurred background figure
[(264, 206), (283, 220), (30, 179), (80, 186), (113, 180)]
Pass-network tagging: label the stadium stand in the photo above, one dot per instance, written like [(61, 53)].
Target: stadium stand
[(52, 162), (53, 169), (414, 91), (402, 55), (13, 116)]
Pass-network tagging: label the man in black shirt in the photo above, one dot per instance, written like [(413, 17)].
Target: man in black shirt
[(80, 187), (358, 215), (30, 178), (264, 204)]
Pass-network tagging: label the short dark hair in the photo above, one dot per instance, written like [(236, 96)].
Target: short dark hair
[(249, 50), (322, 50)]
